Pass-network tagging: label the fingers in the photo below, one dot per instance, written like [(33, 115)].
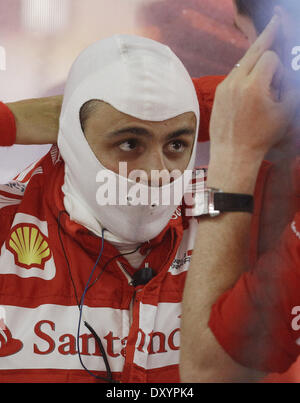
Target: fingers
[(260, 46), (268, 71)]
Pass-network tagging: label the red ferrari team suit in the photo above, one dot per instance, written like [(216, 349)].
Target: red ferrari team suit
[(257, 322), (139, 326)]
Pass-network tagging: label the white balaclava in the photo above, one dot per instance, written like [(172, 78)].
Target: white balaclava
[(141, 78)]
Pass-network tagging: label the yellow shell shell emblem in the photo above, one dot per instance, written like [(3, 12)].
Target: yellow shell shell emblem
[(29, 246)]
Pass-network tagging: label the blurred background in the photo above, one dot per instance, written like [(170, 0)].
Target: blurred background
[(39, 40)]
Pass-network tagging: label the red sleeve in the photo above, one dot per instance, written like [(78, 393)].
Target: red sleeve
[(206, 89), (7, 126), (256, 322)]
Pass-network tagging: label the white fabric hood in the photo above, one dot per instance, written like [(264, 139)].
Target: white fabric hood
[(139, 77)]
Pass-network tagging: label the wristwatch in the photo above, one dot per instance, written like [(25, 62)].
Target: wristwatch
[(213, 202)]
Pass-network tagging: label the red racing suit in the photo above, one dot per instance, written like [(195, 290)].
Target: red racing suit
[(139, 327), (257, 322)]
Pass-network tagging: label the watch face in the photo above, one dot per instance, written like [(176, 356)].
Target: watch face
[(205, 203), (200, 206), (196, 199)]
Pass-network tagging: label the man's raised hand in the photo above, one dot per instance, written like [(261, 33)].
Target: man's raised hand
[(249, 114)]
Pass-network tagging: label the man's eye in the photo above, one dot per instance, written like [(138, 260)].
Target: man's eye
[(128, 145), (177, 146)]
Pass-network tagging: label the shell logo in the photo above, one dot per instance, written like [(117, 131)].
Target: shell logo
[(29, 246), (8, 345)]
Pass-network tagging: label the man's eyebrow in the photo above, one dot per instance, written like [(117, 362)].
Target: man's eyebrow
[(181, 132), (140, 131)]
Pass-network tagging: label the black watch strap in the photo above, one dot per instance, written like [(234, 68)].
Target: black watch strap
[(233, 202)]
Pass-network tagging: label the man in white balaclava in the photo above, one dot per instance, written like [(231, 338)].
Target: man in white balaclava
[(95, 258), (144, 80)]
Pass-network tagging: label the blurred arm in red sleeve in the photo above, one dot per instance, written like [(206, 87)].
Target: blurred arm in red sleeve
[(247, 121), (7, 126), (253, 322), (206, 89)]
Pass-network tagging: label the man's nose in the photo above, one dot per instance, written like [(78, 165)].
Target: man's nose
[(157, 172), (154, 166)]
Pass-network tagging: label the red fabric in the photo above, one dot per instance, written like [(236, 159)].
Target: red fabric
[(42, 202), (50, 334), (41, 311), (7, 126), (259, 197), (206, 89), (296, 183), (253, 321)]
